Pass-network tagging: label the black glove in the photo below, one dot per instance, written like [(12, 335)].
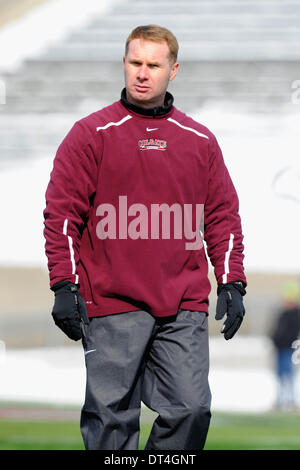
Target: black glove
[(230, 301), (69, 311)]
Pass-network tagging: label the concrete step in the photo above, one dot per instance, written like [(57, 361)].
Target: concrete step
[(43, 70), (187, 103), (223, 7), (189, 50), (65, 87), (97, 37), (202, 20), (38, 89), (246, 53)]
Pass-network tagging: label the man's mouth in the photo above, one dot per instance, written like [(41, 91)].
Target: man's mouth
[(141, 88)]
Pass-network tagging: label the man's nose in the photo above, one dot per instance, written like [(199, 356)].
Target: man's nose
[(143, 73)]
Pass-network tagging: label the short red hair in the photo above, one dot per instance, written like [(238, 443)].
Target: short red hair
[(152, 32)]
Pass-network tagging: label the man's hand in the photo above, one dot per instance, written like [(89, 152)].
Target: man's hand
[(230, 301), (69, 311)]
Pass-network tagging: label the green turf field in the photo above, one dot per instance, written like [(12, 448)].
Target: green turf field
[(227, 431)]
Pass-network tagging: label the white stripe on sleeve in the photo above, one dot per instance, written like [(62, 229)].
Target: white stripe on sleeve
[(114, 123), (70, 241), (187, 128), (227, 256)]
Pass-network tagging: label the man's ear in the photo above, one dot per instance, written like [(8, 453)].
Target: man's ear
[(174, 70)]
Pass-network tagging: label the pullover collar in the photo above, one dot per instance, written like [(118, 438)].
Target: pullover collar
[(157, 111)]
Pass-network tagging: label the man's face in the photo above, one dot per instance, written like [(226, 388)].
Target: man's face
[(147, 70)]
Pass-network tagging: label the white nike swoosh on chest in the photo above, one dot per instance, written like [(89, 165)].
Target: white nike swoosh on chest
[(148, 130)]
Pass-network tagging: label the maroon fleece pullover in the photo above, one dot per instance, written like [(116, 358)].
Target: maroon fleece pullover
[(130, 201)]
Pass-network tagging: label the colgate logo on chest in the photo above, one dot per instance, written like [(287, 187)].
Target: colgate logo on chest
[(152, 144)]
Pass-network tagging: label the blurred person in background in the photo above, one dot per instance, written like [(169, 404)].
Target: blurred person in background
[(285, 331), (140, 303)]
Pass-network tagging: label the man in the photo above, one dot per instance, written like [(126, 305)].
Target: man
[(284, 336), (130, 183)]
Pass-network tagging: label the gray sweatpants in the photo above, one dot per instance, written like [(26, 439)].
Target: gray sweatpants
[(133, 357)]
